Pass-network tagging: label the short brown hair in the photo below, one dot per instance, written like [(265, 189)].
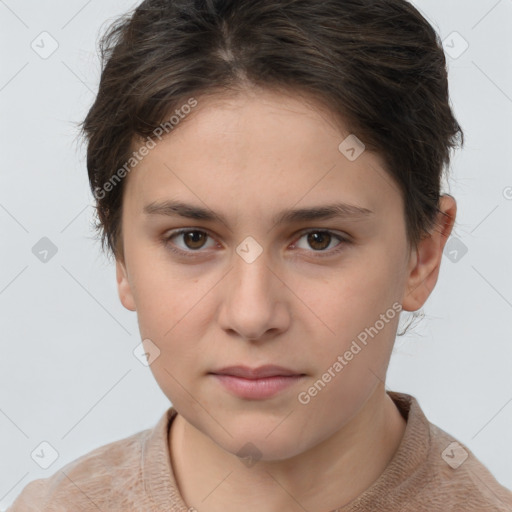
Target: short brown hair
[(379, 65)]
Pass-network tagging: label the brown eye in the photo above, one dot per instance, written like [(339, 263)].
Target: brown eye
[(187, 241), (194, 239), (319, 240)]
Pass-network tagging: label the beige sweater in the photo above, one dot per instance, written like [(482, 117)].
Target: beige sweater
[(427, 473)]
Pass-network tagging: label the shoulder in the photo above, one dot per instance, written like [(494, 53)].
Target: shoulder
[(462, 478), (432, 470), (104, 476), (455, 479)]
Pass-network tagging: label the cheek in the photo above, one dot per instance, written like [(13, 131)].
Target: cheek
[(356, 318), (348, 302), (163, 291)]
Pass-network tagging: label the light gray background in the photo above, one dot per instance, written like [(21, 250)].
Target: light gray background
[(67, 372)]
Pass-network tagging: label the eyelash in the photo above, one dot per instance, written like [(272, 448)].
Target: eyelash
[(193, 254)]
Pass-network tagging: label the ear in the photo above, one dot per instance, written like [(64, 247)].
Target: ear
[(123, 286), (425, 261)]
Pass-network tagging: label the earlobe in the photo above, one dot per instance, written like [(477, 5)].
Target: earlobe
[(426, 260), (123, 286)]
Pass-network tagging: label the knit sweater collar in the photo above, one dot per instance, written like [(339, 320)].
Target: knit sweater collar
[(397, 482)]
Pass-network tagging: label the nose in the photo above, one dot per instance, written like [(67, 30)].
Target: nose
[(255, 300)]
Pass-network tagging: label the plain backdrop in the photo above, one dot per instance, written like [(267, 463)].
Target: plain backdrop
[(68, 375)]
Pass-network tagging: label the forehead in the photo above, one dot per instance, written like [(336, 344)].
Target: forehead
[(261, 147)]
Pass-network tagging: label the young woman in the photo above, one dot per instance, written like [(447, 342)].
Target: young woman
[(267, 176)]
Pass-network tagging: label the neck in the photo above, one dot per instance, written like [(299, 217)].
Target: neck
[(325, 477)]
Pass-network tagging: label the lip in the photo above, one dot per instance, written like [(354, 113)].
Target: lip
[(268, 370), (257, 383)]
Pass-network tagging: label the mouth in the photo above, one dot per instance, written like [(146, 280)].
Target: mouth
[(257, 383), (246, 372)]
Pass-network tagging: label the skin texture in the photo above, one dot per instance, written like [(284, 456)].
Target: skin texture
[(248, 157)]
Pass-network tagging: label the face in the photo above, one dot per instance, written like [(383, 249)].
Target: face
[(251, 289)]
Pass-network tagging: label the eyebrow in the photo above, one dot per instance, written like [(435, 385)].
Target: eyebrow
[(172, 208)]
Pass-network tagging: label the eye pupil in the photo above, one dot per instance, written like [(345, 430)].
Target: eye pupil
[(194, 237), (319, 236)]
